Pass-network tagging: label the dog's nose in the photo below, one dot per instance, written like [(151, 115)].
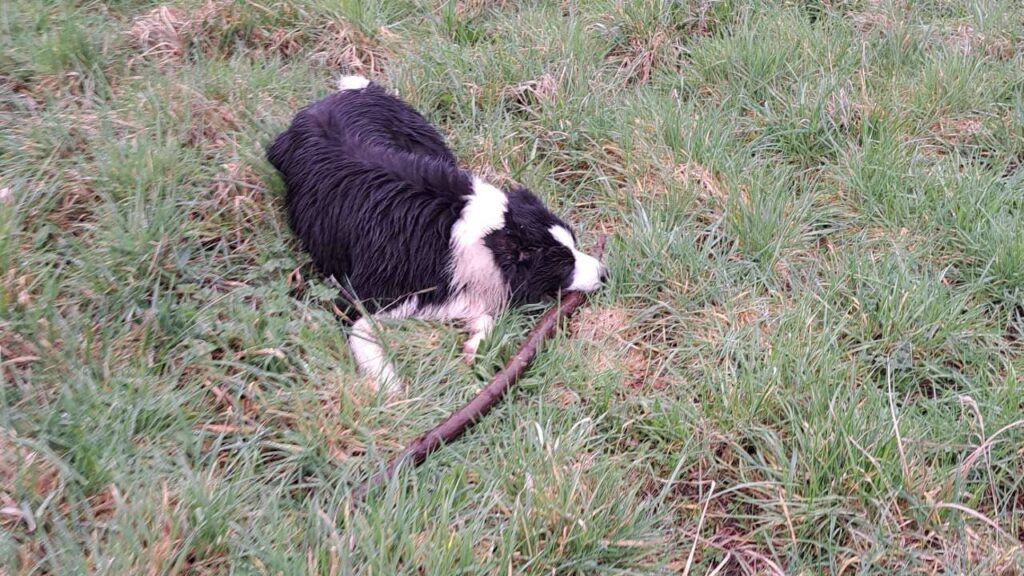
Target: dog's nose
[(604, 273)]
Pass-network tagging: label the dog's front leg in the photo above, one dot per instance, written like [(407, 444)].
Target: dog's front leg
[(478, 328), (370, 357)]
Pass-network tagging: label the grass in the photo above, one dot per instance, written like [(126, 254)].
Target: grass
[(808, 359)]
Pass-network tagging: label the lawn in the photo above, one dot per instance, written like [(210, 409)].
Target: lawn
[(809, 358)]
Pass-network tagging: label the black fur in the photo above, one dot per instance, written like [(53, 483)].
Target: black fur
[(373, 192)]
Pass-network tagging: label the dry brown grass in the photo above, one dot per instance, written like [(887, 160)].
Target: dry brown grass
[(15, 289), (211, 123), (709, 189), (637, 60), (873, 20), (472, 7), (873, 17), (339, 46), (166, 34), (947, 135), (745, 309), (23, 470), (240, 190), (848, 106), (531, 93), (162, 33), (956, 131), (969, 41), (18, 357), (233, 209), (75, 207), (711, 195), (612, 346)]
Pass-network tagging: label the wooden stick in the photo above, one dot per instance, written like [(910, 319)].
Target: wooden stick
[(464, 418)]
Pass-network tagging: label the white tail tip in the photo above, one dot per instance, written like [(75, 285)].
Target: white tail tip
[(352, 83)]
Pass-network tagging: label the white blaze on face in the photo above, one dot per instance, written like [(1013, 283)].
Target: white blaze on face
[(586, 276)]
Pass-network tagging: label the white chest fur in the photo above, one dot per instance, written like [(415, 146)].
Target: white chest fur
[(479, 287)]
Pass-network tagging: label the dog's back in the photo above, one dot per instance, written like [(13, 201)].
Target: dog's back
[(380, 119), (372, 193)]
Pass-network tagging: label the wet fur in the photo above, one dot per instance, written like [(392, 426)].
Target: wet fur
[(377, 199)]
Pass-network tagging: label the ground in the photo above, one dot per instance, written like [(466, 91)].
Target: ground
[(808, 359)]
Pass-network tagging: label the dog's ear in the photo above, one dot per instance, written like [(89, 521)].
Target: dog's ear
[(522, 196), (505, 247), (502, 241)]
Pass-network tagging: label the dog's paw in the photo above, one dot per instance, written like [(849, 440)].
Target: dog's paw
[(471, 346), (395, 386), (479, 328), (386, 380), (469, 350)]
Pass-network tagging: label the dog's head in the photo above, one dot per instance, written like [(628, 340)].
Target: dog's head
[(536, 252)]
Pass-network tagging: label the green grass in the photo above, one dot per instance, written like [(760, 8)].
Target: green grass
[(808, 359)]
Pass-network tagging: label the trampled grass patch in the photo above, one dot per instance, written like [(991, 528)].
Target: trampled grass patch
[(808, 358)]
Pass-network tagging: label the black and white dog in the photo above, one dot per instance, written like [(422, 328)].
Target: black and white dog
[(378, 200)]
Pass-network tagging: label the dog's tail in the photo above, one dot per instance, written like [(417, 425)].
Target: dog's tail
[(352, 83)]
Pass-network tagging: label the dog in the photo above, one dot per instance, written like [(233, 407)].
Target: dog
[(378, 200)]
